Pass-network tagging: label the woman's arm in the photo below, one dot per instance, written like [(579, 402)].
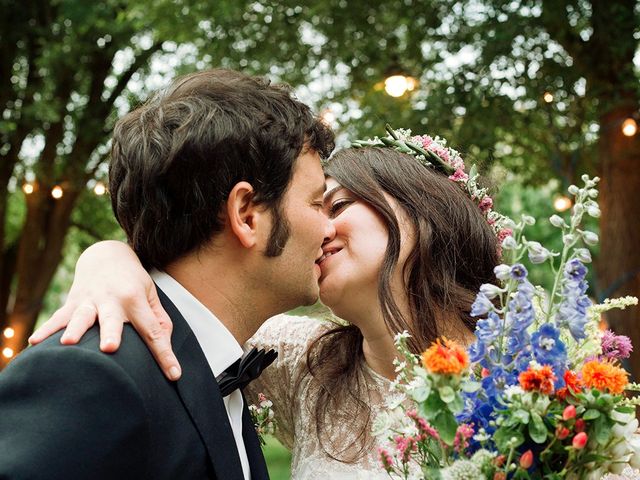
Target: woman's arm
[(111, 285)]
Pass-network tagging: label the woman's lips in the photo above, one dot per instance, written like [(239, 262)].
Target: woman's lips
[(326, 255)]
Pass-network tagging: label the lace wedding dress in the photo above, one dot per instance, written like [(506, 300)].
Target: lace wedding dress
[(294, 395)]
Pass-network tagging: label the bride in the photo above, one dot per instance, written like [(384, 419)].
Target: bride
[(410, 252)]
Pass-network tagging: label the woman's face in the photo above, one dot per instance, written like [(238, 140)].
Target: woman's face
[(352, 260)]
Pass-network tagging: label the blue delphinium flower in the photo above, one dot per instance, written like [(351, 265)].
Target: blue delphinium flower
[(572, 313), (548, 349), (481, 306), (518, 272)]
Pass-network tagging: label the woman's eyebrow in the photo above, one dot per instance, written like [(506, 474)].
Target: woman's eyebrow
[(332, 192)]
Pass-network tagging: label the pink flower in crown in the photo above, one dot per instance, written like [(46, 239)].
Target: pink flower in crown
[(426, 141), (504, 233), (486, 204), (457, 163), (459, 176), (441, 151)]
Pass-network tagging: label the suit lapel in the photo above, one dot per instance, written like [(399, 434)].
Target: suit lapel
[(252, 445), (201, 397)]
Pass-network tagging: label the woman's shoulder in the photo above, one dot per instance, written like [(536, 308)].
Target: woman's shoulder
[(287, 331)]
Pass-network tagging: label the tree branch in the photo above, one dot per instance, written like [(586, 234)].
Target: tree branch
[(554, 20), (133, 68)]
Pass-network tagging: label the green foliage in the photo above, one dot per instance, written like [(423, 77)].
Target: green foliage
[(278, 459)]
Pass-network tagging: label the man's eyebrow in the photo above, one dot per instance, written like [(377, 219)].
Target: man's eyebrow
[(332, 192), (319, 192)]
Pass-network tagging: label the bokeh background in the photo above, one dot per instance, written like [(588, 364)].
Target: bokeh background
[(534, 92)]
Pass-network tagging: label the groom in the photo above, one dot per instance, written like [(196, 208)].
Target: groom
[(218, 185)]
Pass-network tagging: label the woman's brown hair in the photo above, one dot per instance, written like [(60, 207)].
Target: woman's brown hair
[(455, 252)]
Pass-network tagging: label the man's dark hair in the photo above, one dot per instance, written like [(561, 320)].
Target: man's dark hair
[(176, 158)]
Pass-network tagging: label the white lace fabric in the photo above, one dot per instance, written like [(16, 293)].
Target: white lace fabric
[(294, 395)]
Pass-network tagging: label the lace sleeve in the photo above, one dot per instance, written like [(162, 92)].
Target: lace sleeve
[(289, 335)]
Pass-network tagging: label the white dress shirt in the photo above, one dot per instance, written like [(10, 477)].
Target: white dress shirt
[(220, 348)]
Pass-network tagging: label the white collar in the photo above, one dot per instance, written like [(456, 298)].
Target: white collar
[(220, 347)]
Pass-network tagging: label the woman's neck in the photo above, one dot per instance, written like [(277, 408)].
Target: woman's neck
[(379, 353)]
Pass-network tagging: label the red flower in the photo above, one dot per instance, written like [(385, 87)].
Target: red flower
[(538, 379), (569, 413), (562, 432), (573, 385), (580, 440), (526, 460)]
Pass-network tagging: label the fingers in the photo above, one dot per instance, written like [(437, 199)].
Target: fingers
[(57, 322), (155, 327), (82, 319), (112, 318)]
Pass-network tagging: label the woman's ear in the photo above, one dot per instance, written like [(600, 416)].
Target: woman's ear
[(243, 215)]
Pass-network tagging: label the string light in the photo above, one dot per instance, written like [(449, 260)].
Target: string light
[(9, 332), (57, 192), (547, 97), (629, 127), (100, 189), (562, 203), (28, 188), (398, 85), (8, 352)]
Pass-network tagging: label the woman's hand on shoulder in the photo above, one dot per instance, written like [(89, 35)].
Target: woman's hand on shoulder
[(111, 285)]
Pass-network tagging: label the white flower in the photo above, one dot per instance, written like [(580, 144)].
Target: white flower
[(502, 272), (537, 253), (568, 238), (573, 190), (593, 211), (557, 221), (583, 255), (528, 220), (490, 290), (509, 243), (590, 238)]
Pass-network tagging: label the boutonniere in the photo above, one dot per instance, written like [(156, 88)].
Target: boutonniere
[(263, 417)]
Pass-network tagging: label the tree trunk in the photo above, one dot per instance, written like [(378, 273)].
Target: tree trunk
[(38, 256), (620, 223)]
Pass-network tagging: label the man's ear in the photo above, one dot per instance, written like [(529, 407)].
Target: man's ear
[(243, 215)]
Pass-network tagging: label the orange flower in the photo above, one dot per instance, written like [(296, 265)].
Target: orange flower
[(445, 357), (539, 379), (604, 375), (573, 385)]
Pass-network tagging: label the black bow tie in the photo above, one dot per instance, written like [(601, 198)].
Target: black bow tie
[(245, 370)]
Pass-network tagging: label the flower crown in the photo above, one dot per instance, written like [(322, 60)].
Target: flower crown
[(434, 153)]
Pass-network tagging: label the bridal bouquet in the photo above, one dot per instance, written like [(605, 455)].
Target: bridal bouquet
[(541, 392)]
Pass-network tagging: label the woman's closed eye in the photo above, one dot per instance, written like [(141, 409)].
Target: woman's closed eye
[(337, 207)]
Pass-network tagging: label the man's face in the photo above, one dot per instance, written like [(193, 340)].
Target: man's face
[(294, 273)]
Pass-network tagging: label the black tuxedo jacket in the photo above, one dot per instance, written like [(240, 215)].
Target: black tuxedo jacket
[(73, 412)]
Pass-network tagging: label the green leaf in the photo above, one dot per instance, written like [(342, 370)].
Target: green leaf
[(457, 404), (504, 436), (591, 414), (420, 394), (537, 429), (522, 416), (470, 386), (447, 395), (432, 407), (624, 409), (446, 425), (602, 429)]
